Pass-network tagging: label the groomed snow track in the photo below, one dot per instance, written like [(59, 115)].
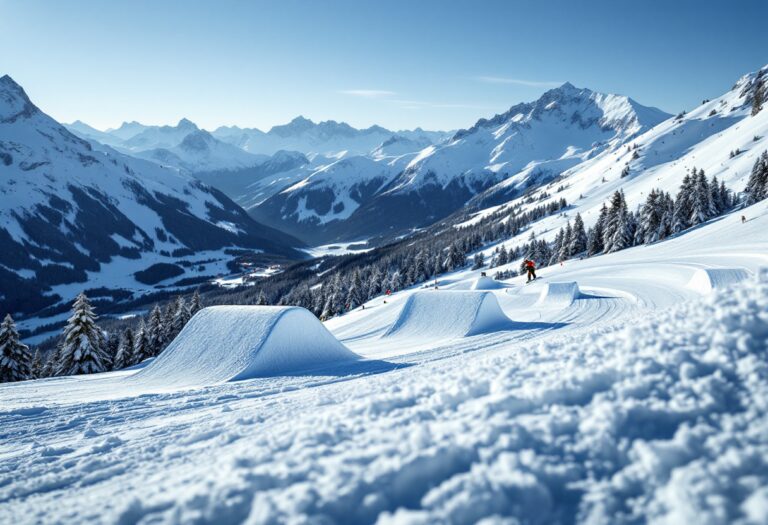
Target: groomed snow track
[(706, 280), (230, 343), (559, 294), (446, 314)]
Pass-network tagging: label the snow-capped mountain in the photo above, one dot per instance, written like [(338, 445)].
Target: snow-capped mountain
[(529, 144), (326, 138), (721, 136), (75, 214), (200, 151)]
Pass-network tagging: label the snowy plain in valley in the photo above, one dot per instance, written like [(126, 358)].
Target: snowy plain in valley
[(641, 398)]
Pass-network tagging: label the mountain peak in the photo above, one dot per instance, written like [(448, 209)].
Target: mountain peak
[(186, 123), (14, 102)]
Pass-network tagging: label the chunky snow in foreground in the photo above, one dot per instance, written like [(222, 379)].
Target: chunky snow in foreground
[(641, 400)]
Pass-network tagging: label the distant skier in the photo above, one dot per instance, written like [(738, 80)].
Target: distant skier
[(530, 267), (743, 219)]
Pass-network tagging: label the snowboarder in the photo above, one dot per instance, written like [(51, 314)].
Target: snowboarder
[(743, 219), (530, 267)]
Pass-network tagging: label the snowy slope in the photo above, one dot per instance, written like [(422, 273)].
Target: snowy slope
[(642, 401), (69, 211)]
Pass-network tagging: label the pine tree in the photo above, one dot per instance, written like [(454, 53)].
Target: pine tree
[(181, 316), (757, 96), (565, 247), (503, 257), (110, 348), (757, 185), (683, 206), (36, 370), (617, 234), (479, 261), (156, 331), (50, 368), (261, 300), (141, 346), (82, 351), (355, 296), (15, 360), (124, 355), (196, 304), (702, 207), (578, 236), (595, 243)]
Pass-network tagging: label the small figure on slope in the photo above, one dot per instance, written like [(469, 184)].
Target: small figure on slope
[(530, 267)]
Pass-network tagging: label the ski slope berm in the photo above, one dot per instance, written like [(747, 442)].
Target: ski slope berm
[(448, 314), (705, 280), (559, 294), (230, 343), (486, 283)]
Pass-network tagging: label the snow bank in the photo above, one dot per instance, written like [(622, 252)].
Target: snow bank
[(708, 279), (559, 294), (486, 283), (230, 343), (448, 314)]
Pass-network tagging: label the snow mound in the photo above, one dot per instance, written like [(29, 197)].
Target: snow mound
[(448, 314), (708, 279), (559, 294), (486, 283), (230, 343)]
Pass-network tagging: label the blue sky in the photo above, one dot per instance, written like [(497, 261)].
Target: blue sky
[(400, 64)]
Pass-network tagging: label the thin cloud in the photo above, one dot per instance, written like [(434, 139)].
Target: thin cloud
[(368, 93), (420, 104), (517, 81)]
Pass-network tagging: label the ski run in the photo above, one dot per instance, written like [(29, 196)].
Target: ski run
[(630, 387)]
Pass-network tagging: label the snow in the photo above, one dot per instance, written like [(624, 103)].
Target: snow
[(486, 283), (643, 401), (559, 294), (436, 315), (231, 343), (706, 280)]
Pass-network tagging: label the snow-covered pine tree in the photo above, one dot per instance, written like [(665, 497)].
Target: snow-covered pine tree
[(757, 185), (15, 360), (702, 207), (110, 348), (261, 299), (168, 313), (618, 228), (565, 247), (141, 347), (124, 355), (503, 255), (196, 304), (725, 197), (82, 351), (156, 331), (478, 261), (578, 236), (36, 370), (180, 316), (51, 363), (396, 283), (717, 199), (758, 96), (651, 216), (356, 294), (612, 220), (374, 280), (683, 206)]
